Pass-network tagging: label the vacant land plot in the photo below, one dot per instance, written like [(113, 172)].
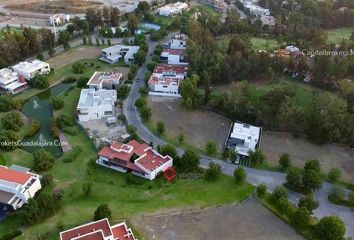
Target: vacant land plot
[(72, 6), (258, 43), (337, 35), (301, 150), (248, 220), (198, 126), (74, 55)]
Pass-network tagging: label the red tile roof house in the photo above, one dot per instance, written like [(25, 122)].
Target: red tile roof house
[(16, 187), (99, 230), (135, 158)]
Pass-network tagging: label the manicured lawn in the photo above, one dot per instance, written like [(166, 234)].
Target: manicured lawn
[(12, 30), (18, 157), (110, 187), (163, 21), (198, 7), (258, 43), (337, 35)]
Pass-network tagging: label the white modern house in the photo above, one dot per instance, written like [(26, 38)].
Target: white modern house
[(244, 138), (135, 158), (115, 53), (59, 18), (173, 9), (99, 230), (165, 80), (96, 104), (172, 56), (179, 41), (17, 186), (29, 69), (105, 80), (11, 82)]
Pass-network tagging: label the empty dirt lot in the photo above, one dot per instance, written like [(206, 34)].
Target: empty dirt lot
[(301, 150), (247, 221), (74, 55), (199, 127)]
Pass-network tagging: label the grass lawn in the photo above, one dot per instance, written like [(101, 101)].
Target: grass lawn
[(199, 7), (12, 30), (257, 43), (162, 20), (110, 187), (337, 35)]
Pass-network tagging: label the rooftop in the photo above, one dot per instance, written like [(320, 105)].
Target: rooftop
[(120, 48), (14, 176), (168, 69), (91, 231), (99, 77), (30, 65), (172, 51), (164, 80), (7, 75), (91, 97)]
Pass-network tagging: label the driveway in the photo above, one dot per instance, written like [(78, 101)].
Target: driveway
[(254, 176)]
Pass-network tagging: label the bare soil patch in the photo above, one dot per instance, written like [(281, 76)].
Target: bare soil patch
[(248, 221), (74, 55), (72, 6), (198, 126), (301, 150)]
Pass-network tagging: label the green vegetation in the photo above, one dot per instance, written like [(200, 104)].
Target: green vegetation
[(132, 200), (336, 36)]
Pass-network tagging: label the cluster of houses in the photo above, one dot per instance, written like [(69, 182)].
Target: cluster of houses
[(173, 9), (99, 230), (17, 186), (262, 13), (15, 79), (166, 78)]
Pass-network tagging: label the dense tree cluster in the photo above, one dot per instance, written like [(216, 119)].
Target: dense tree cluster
[(19, 45)]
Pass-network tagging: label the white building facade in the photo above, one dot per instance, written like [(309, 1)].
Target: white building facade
[(17, 187), (29, 69), (11, 82), (244, 138), (96, 104), (115, 53), (173, 9), (105, 80)]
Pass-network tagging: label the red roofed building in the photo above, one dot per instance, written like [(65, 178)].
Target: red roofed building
[(99, 230), (135, 158), (17, 186), (165, 80)]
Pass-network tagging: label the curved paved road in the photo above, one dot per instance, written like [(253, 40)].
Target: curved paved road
[(254, 176)]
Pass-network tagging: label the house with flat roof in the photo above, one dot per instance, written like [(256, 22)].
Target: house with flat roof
[(29, 69), (17, 186), (59, 18), (105, 80), (165, 80), (11, 82), (173, 9), (99, 230), (115, 53), (135, 158), (244, 138), (172, 56), (179, 41), (96, 104)]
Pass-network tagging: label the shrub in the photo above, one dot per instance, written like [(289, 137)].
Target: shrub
[(12, 121), (140, 102), (34, 127), (70, 130), (308, 202), (160, 128), (330, 228), (12, 235), (7, 103), (261, 190), (64, 120), (2, 160), (40, 81), (211, 148), (70, 79), (123, 91), (284, 162), (86, 188), (301, 217), (57, 102), (78, 68), (145, 113), (46, 180), (279, 192), (282, 204), (213, 173), (294, 180), (102, 211), (43, 160), (334, 175), (240, 175), (81, 83), (257, 158), (11, 137), (54, 130)]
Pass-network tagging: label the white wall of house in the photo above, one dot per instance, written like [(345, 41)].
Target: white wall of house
[(95, 112), (178, 44), (30, 69)]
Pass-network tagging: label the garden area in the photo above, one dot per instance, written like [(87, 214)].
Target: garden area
[(336, 36), (125, 199)]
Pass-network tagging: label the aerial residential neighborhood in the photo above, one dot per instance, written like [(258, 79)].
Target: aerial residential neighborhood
[(168, 120)]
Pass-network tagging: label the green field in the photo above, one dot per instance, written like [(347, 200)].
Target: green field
[(258, 43), (336, 36), (199, 7), (125, 201), (11, 29)]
